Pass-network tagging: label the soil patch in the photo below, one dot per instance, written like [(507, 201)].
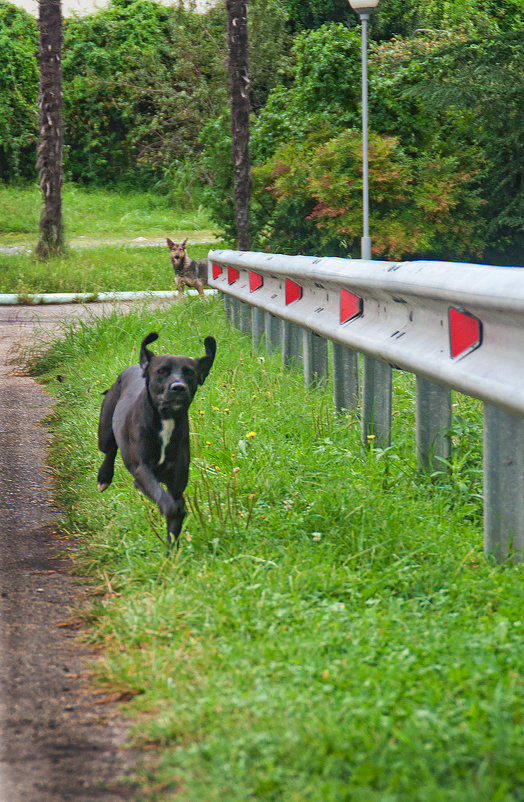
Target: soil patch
[(57, 741)]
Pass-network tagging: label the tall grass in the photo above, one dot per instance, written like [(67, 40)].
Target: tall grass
[(96, 213), (97, 269), (329, 629)]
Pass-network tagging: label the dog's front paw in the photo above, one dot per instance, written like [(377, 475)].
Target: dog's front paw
[(101, 486)]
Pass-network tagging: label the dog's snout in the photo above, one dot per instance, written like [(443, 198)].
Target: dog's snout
[(177, 387)]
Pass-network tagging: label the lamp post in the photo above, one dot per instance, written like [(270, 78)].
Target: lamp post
[(376, 375), (364, 9)]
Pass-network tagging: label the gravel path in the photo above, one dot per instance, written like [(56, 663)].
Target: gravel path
[(58, 741)]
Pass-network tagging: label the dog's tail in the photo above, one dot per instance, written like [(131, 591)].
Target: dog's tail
[(145, 354), (205, 362)]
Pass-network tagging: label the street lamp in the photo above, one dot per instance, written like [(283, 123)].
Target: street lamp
[(364, 9)]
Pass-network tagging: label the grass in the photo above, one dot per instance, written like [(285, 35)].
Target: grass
[(102, 226), (95, 213), (330, 629), (96, 269)]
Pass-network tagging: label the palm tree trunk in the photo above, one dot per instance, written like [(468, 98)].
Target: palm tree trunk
[(49, 161), (240, 87)]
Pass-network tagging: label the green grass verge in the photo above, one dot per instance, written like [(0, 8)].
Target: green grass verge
[(101, 225), (107, 268), (329, 629)]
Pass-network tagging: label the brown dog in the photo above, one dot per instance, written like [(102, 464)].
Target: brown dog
[(188, 272)]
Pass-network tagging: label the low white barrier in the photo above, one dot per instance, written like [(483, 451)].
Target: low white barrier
[(456, 326), (35, 299)]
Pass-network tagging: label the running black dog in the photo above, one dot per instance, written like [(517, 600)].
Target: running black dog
[(145, 415)]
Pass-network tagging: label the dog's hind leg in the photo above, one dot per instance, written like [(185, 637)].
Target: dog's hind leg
[(106, 438)]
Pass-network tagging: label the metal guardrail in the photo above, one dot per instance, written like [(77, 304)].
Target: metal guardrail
[(456, 326)]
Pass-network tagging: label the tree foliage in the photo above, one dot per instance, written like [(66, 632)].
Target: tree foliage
[(448, 17), (483, 81), (306, 14), (18, 92), (454, 116), (424, 192), (324, 93), (406, 17)]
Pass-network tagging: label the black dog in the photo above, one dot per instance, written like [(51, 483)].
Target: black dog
[(144, 414)]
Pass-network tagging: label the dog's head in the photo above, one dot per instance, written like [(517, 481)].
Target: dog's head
[(172, 381), (177, 252)]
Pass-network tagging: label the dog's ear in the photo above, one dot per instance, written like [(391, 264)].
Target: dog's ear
[(183, 244), (170, 244), (205, 362), (145, 354)]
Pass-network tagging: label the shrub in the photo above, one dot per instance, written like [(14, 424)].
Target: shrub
[(419, 205)]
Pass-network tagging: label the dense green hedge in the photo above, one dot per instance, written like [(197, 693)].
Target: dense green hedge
[(18, 92), (137, 88)]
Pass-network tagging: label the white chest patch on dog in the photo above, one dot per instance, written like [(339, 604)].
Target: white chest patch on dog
[(165, 436)]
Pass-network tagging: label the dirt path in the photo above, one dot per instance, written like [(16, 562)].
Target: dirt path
[(56, 742)]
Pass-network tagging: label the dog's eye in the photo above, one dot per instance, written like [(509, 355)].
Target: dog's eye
[(188, 372), (164, 371)]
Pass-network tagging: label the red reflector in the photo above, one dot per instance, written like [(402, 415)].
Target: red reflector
[(232, 275), (293, 291), (350, 306), (465, 332), (217, 271), (255, 281)]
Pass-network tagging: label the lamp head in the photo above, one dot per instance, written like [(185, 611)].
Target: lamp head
[(363, 7)]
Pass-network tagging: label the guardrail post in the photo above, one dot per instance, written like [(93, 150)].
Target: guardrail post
[(433, 423), (235, 312), (503, 484), (245, 317), (258, 326), (273, 332), (315, 357), (291, 344), (227, 304), (346, 381), (376, 403)]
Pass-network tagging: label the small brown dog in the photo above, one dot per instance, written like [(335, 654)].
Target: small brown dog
[(188, 272)]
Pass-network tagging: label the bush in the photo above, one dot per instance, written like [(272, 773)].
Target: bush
[(419, 205), (480, 84), (424, 173)]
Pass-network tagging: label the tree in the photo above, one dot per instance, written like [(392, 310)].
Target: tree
[(49, 161), (240, 86)]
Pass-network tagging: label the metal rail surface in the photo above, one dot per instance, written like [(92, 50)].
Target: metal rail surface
[(456, 326)]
